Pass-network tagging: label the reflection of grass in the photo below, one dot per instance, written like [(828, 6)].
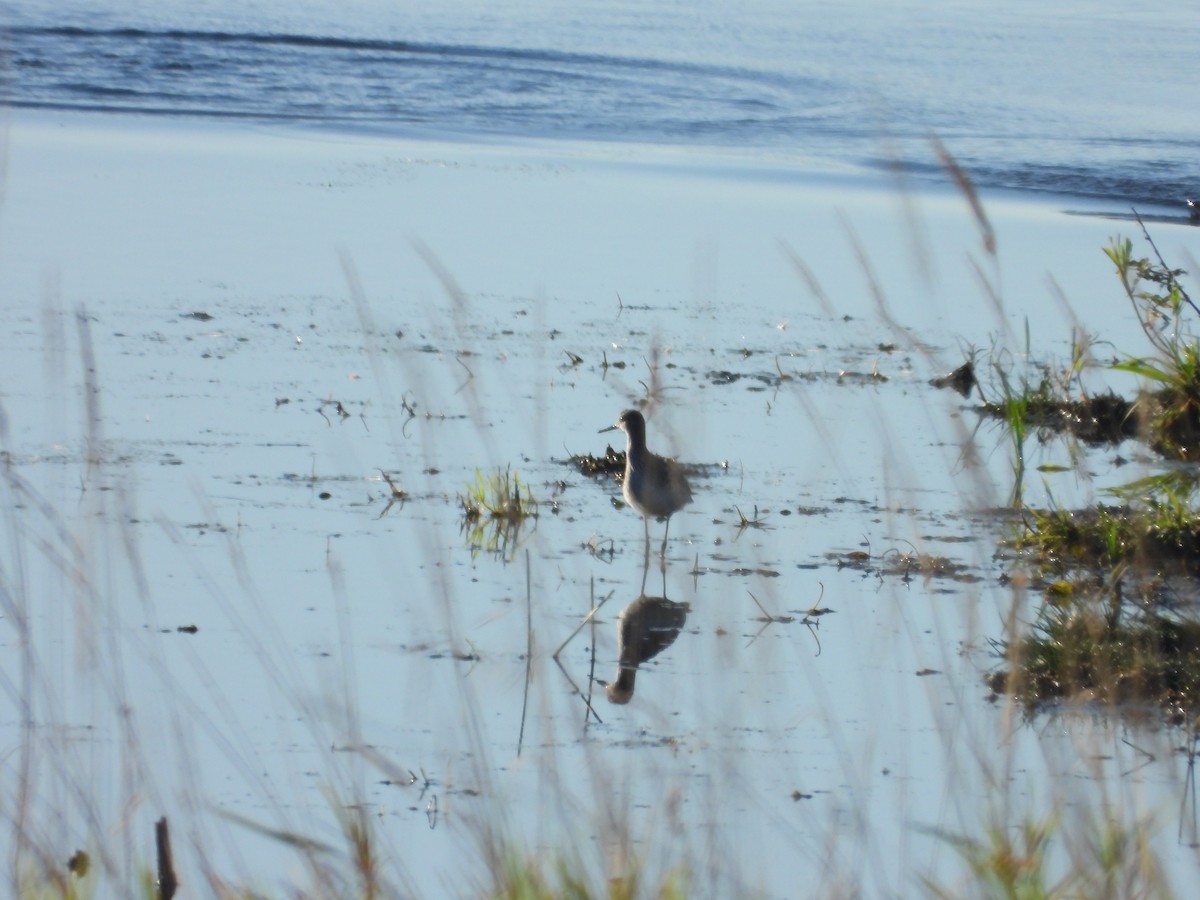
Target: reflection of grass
[(494, 509), (1092, 643)]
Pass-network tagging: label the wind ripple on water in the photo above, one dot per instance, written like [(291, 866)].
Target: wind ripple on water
[(447, 86), (815, 107)]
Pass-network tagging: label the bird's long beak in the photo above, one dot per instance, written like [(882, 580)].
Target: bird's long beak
[(609, 428)]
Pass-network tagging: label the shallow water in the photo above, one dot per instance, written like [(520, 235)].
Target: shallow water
[(231, 495)]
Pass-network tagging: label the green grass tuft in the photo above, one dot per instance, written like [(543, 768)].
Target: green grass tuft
[(494, 510)]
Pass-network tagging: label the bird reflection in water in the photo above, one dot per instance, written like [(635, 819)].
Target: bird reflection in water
[(645, 628)]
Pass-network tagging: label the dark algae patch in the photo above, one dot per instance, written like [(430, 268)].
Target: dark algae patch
[(1104, 419)]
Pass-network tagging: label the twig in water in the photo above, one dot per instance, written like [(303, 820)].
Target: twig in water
[(595, 546), (167, 882), (579, 628), (816, 609), (470, 374), (745, 523), (592, 662), (528, 652), (767, 619), (783, 376), (397, 493), (1150, 757), (590, 617), (1189, 787)]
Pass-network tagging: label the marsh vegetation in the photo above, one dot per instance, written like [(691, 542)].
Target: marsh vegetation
[(1119, 621)]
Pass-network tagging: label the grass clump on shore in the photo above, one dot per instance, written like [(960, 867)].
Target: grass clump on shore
[(1166, 412), (1118, 623), (1120, 635), (1169, 413), (1160, 533), (1092, 649)]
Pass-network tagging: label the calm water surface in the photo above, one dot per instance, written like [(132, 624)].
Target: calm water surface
[(617, 189), (230, 493)]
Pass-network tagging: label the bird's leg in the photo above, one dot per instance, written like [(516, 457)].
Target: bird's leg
[(646, 560), (662, 552)]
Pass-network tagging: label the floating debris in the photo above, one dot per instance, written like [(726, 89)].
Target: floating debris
[(961, 379)]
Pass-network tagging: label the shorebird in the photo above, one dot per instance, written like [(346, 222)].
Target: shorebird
[(653, 485)]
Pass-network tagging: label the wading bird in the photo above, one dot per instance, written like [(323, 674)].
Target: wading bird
[(653, 485)]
